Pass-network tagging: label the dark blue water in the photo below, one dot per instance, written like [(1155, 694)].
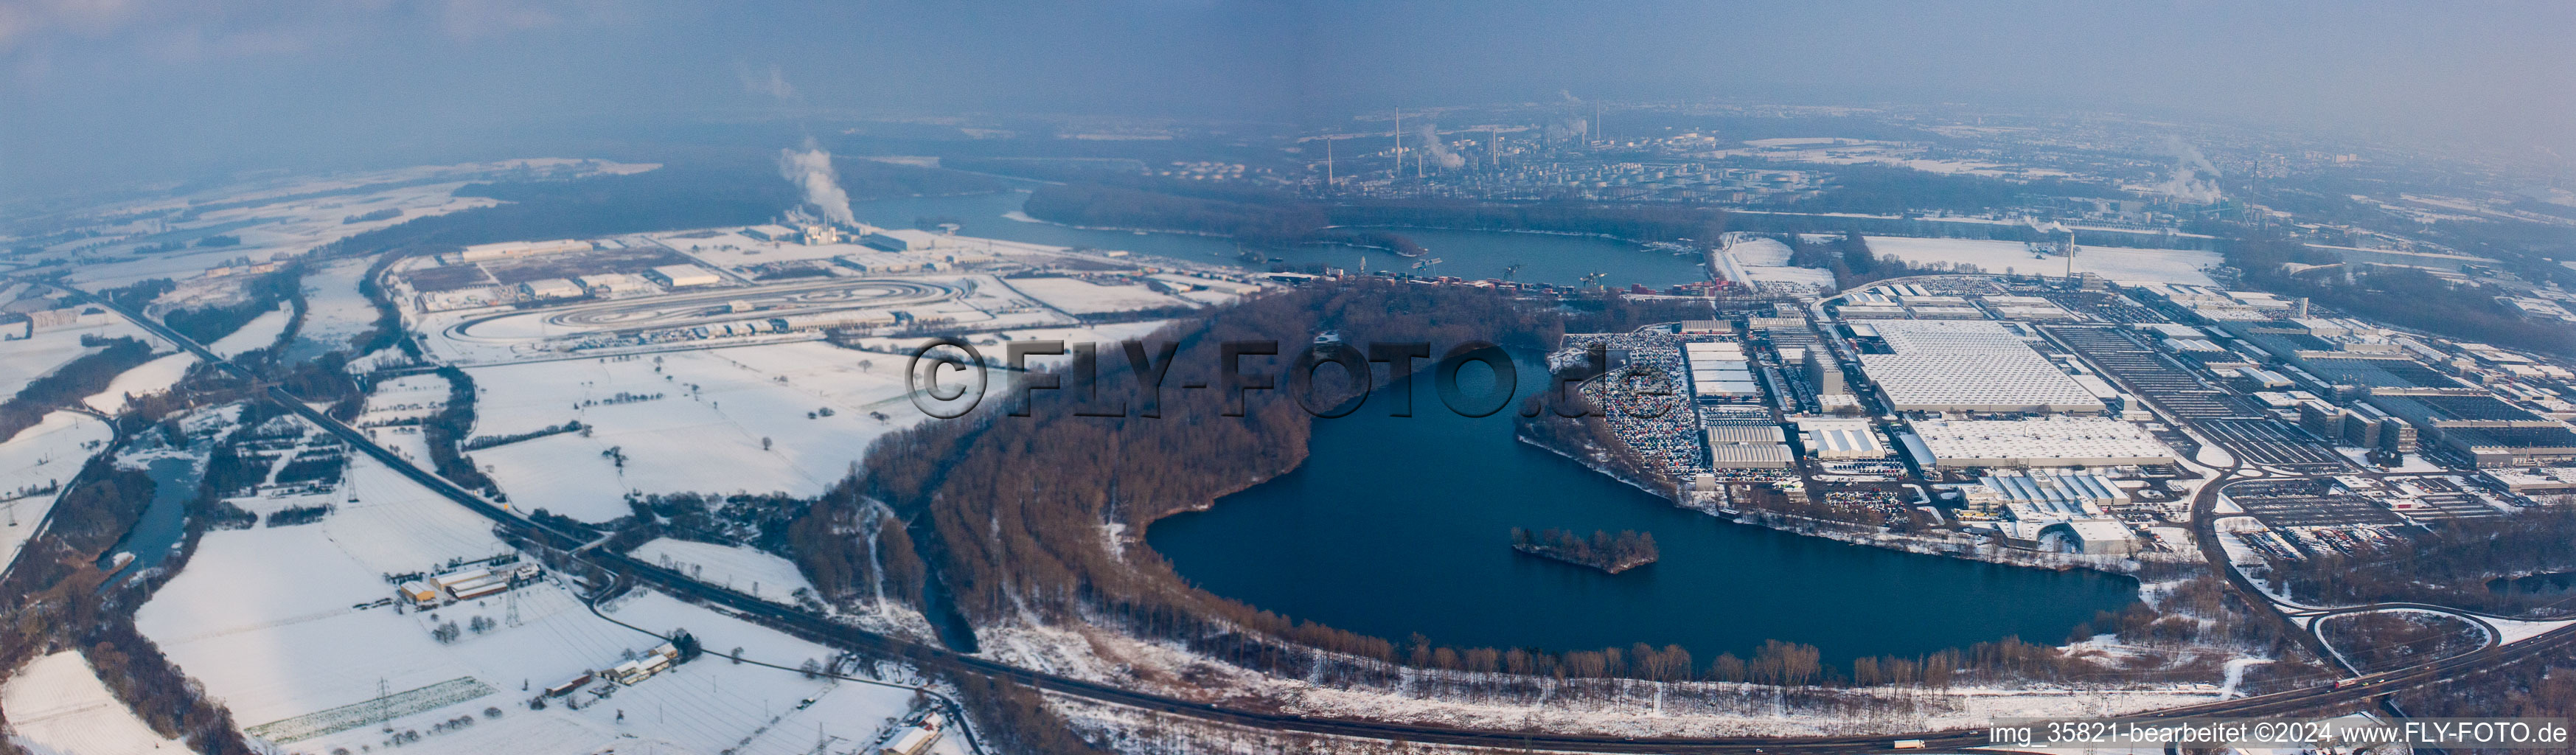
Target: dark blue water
[(1401, 525), (165, 519), (1542, 258)]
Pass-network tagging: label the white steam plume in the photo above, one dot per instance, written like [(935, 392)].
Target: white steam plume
[(1568, 129), (2186, 184), (771, 82), (811, 170), (1440, 154)]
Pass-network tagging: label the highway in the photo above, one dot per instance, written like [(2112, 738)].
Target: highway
[(2331, 698)]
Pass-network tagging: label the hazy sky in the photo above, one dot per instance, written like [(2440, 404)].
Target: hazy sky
[(97, 92)]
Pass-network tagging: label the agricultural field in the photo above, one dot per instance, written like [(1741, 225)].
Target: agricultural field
[(713, 420), (280, 624), (57, 706)]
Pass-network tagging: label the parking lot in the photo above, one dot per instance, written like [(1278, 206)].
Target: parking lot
[(2153, 376), (2440, 499), (2272, 442)]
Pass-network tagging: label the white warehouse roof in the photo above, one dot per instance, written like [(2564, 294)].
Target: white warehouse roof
[(1841, 439), (1977, 382), (2052, 442), (1950, 336)]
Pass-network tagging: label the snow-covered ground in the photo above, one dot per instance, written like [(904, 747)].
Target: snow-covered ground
[(740, 569), (276, 218), (58, 707), (1609, 707), (2125, 265), (267, 618), (334, 311), (1762, 260), (25, 359), (1761, 252), (43, 456), (259, 333), (1107, 335), (1081, 297), (713, 420), (408, 397), (2510, 630), (149, 378)]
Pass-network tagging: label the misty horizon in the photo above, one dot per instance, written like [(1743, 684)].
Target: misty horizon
[(117, 94)]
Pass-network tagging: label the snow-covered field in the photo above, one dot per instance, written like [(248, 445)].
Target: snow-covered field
[(699, 426), (285, 217), (259, 333), (1762, 260), (266, 618), (42, 456), (744, 570), (1761, 252), (334, 311), (408, 397), (25, 359), (58, 707), (1081, 297), (151, 377), (1609, 707), (2126, 265)]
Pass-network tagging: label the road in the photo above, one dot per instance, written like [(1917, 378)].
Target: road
[(2335, 698)]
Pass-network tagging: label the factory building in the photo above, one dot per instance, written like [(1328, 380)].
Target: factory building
[(1824, 373), (610, 284), (1971, 382), (2026, 308), (2097, 537), (1720, 372), (1840, 439), (2040, 495), (2533, 481), (1748, 447), (681, 276), (1968, 366), (550, 288), (2049, 442), (879, 263), (903, 240), (481, 252)]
